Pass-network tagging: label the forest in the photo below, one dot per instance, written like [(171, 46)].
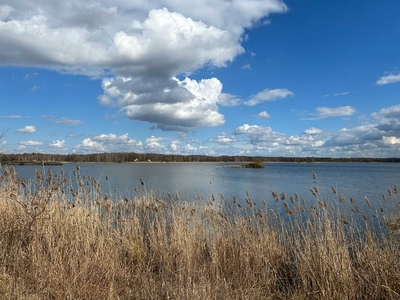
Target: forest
[(127, 157)]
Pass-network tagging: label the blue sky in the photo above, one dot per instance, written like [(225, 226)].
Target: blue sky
[(214, 77)]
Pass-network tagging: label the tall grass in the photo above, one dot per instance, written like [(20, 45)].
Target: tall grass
[(62, 238)]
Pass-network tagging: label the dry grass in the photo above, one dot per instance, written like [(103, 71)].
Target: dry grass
[(61, 238)]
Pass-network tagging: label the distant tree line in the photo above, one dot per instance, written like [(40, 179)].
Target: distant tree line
[(154, 157)]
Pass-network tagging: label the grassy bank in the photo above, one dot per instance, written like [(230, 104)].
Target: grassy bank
[(61, 238)]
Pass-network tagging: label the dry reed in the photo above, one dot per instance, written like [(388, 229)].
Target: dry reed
[(61, 238)]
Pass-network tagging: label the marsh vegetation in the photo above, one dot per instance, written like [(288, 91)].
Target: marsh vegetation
[(61, 237)]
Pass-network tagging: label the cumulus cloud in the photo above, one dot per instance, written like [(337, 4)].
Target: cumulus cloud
[(223, 138), (178, 105), (110, 143), (154, 144), (263, 114), (58, 144), (261, 137), (391, 78), (142, 46), (359, 135), (175, 145), (313, 130), (391, 141), (268, 95), (27, 129), (392, 112), (388, 119)]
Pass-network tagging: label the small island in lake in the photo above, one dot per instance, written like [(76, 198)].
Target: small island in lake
[(253, 165)]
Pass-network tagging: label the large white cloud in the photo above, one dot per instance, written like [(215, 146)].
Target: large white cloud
[(171, 105), (143, 44)]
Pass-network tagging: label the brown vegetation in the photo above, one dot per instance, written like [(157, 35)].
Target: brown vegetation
[(61, 238)]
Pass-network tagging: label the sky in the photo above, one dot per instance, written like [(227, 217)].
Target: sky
[(210, 77)]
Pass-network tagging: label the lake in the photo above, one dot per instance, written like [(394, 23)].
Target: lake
[(202, 180)]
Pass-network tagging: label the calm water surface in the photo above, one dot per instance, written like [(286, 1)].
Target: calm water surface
[(193, 180)]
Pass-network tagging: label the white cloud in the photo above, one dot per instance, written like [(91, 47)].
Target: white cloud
[(63, 121), (391, 78), (388, 119), (326, 112), (58, 144), (313, 130), (225, 99), (154, 144), (110, 143), (179, 105), (337, 94), (164, 42), (263, 114), (387, 113), (391, 141), (268, 95), (69, 122), (12, 117), (149, 43), (261, 137), (27, 129), (174, 145), (31, 143), (223, 138)]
